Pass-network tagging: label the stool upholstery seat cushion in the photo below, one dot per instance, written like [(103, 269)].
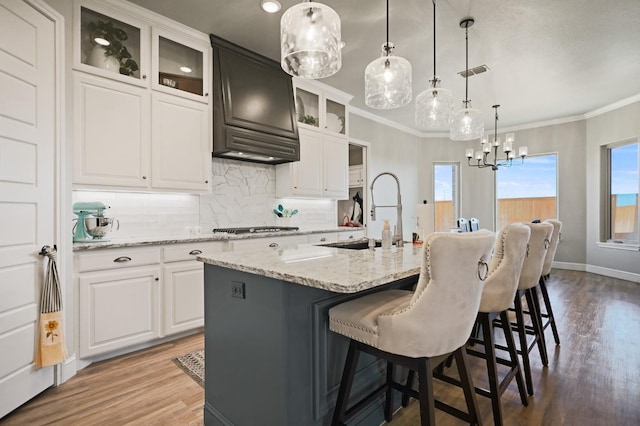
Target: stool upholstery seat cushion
[(504, 271), (440, 313), (357, 319)]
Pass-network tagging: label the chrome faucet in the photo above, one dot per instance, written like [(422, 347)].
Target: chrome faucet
[(397, 238)]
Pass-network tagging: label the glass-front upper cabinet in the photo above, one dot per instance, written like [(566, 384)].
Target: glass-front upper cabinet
[(307, 107), (181, 66), (335, 116), (110, 43)]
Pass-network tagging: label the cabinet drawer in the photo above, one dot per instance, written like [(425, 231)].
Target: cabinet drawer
[(323, 238), (351, 235), (116, 259), (258, 243), (180, 252)]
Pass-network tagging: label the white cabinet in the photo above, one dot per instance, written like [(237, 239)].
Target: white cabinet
[(356, 176), (183, 286), (144, 121), (181, 148), (321, 171), (111, 132), (118, 308), (351, 235)]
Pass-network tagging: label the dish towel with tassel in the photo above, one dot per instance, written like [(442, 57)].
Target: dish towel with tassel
[(51, 345)]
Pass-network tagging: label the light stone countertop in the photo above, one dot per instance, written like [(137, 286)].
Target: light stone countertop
[(178, 239), (328, 268)]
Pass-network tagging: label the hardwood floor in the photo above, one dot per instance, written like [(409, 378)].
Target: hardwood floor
[(593, 377)]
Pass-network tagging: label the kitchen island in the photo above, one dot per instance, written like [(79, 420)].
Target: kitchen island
[(270, 358)]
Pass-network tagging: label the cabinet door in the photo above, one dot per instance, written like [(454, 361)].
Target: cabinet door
[(356, 176), (183, 296), (307, 173), (181, 65), (118, 309), (335, 155), (335, 116), (110, 43), (112, 122), (181, 147)]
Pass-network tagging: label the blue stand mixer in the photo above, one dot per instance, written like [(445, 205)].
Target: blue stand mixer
[(88, 210)]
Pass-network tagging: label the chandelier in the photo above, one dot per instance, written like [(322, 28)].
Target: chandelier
[(434, 105), (466, 123), (482, 157), (310, 41), (387, 80)]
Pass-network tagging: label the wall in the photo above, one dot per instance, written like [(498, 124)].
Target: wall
[(395, 151), (603, 129), (478, 185)]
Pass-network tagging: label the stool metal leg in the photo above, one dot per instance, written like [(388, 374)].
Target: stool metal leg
[(345, 384), (547, 305)]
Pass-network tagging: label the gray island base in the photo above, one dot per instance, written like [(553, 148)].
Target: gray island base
[(270, 358)]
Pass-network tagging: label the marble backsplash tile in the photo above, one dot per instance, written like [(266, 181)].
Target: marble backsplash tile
[(243, 194)]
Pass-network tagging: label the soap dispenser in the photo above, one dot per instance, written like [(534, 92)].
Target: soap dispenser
[(386, 235)]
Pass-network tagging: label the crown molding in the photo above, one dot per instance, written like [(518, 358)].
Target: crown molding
[(366, 114), (613, 106)]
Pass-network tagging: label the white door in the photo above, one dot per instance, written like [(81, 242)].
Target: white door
[(27, 182)]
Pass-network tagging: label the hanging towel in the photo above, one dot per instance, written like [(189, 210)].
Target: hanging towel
[(51, 345)]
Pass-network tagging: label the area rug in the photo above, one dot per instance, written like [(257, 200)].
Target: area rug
[(192, 364)]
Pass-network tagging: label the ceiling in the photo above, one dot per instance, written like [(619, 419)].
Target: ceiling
[(548, 59)]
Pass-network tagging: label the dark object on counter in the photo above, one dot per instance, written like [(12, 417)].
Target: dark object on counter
[(255, 229), (268, 134), (535, 221)]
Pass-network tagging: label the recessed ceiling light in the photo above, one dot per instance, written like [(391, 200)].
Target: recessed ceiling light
[(270, 6), (185, 69), (101, 41)]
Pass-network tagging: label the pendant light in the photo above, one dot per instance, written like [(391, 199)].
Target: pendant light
[(434, 105), (310, 41), (466, 123), (387, 80)]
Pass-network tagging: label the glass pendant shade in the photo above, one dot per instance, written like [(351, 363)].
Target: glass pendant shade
[(433, 107), (466, 125), (387, 82), (310, 41)]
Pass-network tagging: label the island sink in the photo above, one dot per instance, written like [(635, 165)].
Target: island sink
[(361, 244)]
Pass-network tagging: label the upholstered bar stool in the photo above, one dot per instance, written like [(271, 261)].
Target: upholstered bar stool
[(546, 270), (539, 241), (497, 297), (418, 329)]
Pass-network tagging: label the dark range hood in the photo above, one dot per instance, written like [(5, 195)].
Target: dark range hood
[(254, 117)]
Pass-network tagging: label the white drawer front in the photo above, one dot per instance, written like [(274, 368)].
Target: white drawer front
[(323, 238), (115, 259), (180, 252), (351, 235), (259, 243)]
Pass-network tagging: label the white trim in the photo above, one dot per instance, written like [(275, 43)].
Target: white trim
[(614, 273), (66, 370), (366, 114), (569, 266), (618, 246), (607, 108)]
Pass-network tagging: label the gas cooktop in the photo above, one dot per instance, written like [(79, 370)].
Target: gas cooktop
[(255, 229)]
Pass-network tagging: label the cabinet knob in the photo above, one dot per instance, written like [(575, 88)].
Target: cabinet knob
[(122, 259), (157, 279), (323, 239), (195, 252), (206, 94), (144, 177), (351, 237), (206, 181), (144, 76), (273, 245), (295, 187)]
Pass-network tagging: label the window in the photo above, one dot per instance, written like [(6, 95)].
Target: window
[(446, 194), (528, 191), (622, 192)]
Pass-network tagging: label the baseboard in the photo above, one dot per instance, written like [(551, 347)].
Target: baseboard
[(569, 266), (614, 273), (66, 370)]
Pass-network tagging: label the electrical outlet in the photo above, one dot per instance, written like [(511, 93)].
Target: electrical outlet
[(237, 290)]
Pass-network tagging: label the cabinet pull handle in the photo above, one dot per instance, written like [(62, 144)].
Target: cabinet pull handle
[(351, 237), (144, 177), (194, 252), (323, 239), (273, 245), (122, 259)]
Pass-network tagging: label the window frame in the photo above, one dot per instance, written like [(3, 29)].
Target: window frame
[(557, 178), (455, 190), (606, 239)]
